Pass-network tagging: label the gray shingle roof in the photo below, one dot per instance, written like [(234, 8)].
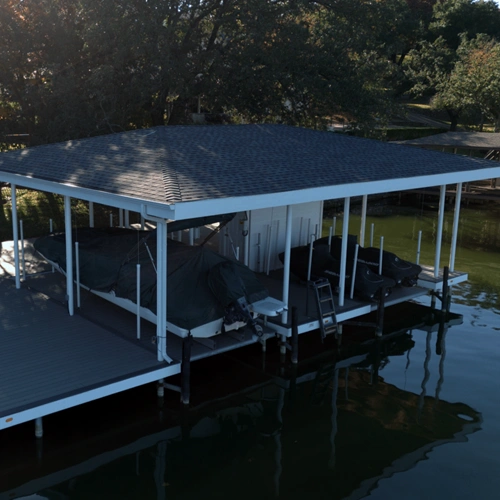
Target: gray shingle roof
[(190, 163), (466, 140)]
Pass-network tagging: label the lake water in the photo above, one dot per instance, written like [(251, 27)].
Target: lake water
[(416, 416)]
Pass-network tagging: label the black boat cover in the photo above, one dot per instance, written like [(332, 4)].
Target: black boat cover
[(196, 293)]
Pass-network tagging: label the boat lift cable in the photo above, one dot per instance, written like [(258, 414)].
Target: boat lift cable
[(214, 232)]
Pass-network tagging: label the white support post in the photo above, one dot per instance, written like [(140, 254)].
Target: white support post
[(454, 234), (334, 225), (419, 244), (286, 261), (362, 230), (343, 256), (127, 219), (161, 291), (381, 255), (372, 233), (330, 235), (23, 258), (69, 255), (439, 234), (191, 236), (15, 235), (77, 266), (120, 217), (91, 214), (138, 300), (143, 223), (111, 219)]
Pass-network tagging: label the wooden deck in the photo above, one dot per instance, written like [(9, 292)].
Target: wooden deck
[(50, 361)]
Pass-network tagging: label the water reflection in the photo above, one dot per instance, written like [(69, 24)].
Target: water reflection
[(331, 428)]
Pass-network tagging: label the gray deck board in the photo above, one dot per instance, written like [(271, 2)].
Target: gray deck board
[(47, 354)]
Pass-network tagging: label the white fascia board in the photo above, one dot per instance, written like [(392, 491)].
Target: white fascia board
[(199, 208), (101, 197), (86, 396)]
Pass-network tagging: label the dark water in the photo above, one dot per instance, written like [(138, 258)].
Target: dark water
[(416, 416)]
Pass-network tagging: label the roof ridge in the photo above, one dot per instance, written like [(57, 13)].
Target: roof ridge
[(171, 185)]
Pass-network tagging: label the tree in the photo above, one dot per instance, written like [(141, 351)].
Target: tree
[(474, 83), (452, 18)]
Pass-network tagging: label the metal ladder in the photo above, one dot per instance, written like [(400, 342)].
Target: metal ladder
[(325, 306)]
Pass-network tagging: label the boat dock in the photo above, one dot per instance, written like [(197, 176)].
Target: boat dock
[(50, 361)]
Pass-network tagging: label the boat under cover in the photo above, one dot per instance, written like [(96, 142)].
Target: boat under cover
[(367, 284), (404, 273), (202, 285)]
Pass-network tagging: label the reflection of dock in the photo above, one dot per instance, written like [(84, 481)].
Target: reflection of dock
[(354, 417)]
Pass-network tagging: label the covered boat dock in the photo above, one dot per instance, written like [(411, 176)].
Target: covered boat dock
[(170, 174)]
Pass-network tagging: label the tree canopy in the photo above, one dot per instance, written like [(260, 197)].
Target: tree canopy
[(77, 68)]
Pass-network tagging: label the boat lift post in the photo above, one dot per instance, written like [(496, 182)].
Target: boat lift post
[(15, 232), (91, 214), (439, 234), (77, 267), (419, 243), (454, 234), (343, 255), (362, 230), (23, 257), (372, 231), (69, 256)]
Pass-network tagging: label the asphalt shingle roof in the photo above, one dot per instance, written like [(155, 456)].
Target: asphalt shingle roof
[(473, 140), (189, 163)]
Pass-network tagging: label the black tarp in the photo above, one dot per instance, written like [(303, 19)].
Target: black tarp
[(108, 262)]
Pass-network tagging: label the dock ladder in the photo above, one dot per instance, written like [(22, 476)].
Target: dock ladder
[(325, 306)]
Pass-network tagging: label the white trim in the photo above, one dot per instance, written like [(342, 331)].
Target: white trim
[(187, 210), (87, 396), (87, 194)]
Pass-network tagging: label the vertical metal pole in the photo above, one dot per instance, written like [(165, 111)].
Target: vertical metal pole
[(127, 219), (354, 266), (111, 220), (381, 255), (334, 225), (38, 427), (191, 236), (454, 234), (330, 235), (143, 223), (439, 234), (120, 217), (23, 259), (309, 263), (372, 232), (138, 300), (343, 256), (286, 261), (15, 235), (419, 243), (77, 266), (69, 255), (363, 220), (91, 214)]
